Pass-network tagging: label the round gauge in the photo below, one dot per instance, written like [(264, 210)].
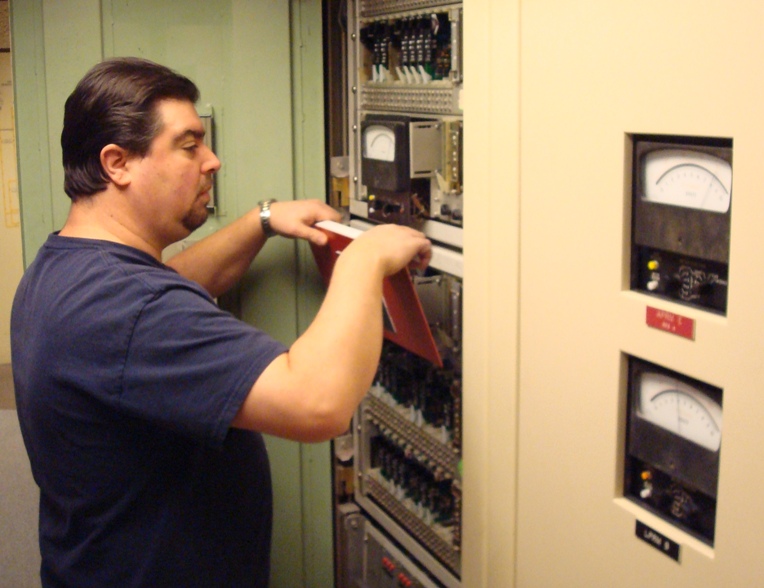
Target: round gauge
[(379, 143), (687, 178), (681, 409)]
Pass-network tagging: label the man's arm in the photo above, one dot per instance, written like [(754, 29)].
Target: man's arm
[(218, 261), (310, 393)]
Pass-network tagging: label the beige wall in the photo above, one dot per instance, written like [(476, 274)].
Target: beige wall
[(11, 264)]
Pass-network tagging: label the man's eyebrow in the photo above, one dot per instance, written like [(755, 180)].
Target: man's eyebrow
[(189, 134)]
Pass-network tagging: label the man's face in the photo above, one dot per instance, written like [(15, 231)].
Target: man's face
[(172, 181)]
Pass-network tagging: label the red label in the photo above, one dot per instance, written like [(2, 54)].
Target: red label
[(670, 322)]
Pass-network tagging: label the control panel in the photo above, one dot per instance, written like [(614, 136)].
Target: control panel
[(406, 120), (377, 561), (674, 437), (407, 433), (401, 463), (680, 247), (681, 219)]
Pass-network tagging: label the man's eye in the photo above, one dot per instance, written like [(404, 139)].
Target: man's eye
[(191, 148)]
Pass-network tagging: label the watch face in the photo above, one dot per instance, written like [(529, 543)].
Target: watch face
[(681, 409), (687, 178), (379, 143), (265, 217)]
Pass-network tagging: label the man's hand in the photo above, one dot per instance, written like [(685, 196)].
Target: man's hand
[(295, 219), (393, 247)]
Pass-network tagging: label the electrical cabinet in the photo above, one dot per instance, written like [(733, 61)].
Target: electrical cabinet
[(404, 115), (399, 468), (640, 346), (603, 310), (400, 465)]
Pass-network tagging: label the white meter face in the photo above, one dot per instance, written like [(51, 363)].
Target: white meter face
[(687, 178), (379, 143), (680, 409)]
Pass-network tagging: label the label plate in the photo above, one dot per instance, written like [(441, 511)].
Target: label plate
[(670, 322), (660, 542)]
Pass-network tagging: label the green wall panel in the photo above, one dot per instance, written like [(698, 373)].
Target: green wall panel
[(309, 150)]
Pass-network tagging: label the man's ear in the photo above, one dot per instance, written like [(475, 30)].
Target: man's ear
[(114, 160)]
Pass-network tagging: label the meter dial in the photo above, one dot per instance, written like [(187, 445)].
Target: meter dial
[(687, 178), (379, 143), (681, 409)]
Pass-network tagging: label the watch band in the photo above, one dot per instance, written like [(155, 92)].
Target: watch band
[(265, 217)]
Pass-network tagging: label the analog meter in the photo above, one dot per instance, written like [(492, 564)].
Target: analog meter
[(682, 202), (394, 193), (681, 409), (379, 143), (674, 438), (688, 178)]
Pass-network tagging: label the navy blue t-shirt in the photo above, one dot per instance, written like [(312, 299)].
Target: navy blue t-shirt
[(127, 378)]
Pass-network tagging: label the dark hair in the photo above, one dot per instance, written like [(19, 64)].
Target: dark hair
[(115, 103)]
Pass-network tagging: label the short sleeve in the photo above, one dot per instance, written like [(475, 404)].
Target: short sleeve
[(190, 365)]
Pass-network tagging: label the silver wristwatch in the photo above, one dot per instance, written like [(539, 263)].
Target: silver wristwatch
[(265, 217)]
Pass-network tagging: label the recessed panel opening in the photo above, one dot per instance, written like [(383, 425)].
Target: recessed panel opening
[(673, 443), (681, 208)]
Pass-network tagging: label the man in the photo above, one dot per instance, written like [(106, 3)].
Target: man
[(141, 402)]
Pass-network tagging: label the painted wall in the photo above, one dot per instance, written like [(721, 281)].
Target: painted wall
[(258, 66), (11, 263)]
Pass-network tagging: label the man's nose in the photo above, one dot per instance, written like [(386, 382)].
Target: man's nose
[(212, 164)]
